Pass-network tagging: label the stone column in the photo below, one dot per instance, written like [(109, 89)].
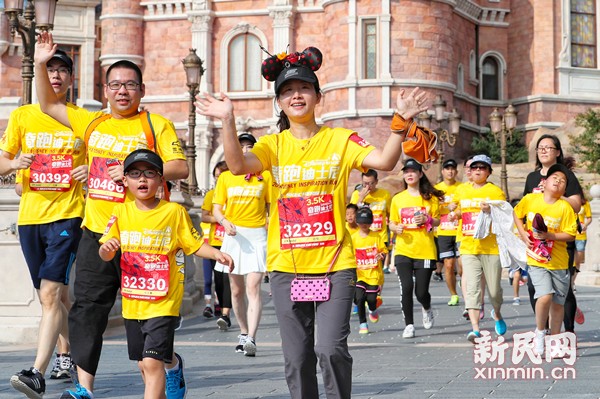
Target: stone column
[(590, 270), (122, 32)]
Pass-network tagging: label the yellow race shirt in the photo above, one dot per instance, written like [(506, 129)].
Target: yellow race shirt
[(559, 217), (469, 203), (446, 227), (244, 198), (216, 232), (351, 230), (379, 202), (414, 242), (49, 191), (152, 265), (115, 139), (368, 266), (308, 204), (584, 212)]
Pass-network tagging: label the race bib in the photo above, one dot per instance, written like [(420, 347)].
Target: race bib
[(306, 222), (144, 276), (446, 224), (407, 217), (468, 223), (51, 172), (366, 258), (101, 185), (219, 232), (377, 224)]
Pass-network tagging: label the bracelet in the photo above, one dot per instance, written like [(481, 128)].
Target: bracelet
[(221, 221)]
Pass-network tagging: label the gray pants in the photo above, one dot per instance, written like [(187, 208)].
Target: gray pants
[(297, 329)]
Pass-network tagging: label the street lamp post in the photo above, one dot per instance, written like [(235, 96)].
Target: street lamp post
[(193, 72), (444, 135), (37, 14), (503, 126)]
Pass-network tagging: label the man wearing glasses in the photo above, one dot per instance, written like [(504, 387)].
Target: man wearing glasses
[(97, 282)]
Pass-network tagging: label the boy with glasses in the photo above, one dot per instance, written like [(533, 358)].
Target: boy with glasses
[(97, 281)]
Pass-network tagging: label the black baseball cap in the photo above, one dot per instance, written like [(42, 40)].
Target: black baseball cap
[(364, 215), (449, 163), (64, 58), (295, 72), (412, 164), (557, 167), (247, 137), (146, 156)]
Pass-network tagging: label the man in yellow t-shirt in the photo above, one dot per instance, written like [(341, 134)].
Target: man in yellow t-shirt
[(97, 282), (446, 231), (52, 173), (378, 199)]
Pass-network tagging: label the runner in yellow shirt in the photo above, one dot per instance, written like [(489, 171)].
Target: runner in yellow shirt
[(311, 165)]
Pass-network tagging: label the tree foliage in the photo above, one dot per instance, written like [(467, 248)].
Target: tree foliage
[(516, 151), (587, 144)]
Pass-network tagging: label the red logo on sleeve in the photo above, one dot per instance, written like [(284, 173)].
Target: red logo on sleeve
[(359, 140)]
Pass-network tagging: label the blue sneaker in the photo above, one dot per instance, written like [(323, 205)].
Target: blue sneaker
[(79, 393), (500, 327), (355, 309), (473, 335), (176, 388)]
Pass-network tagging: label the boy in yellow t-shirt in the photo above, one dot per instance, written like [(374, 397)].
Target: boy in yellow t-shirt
[(546, 238), (150, 232), (370, 250)]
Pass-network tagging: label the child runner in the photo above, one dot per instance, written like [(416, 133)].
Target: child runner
[(370, 250), (414, 213), (351, 225), (547, 250), (149, 232)]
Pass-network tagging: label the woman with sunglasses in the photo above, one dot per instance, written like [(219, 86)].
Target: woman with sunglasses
[(549, 151)]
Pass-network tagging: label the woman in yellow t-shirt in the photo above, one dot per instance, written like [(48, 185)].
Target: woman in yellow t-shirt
[(413, 215), (311, 165)]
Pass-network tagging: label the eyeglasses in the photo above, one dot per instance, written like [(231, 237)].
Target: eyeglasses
[(478, 167), (130, 85), (545, 149), (61, 71), (148, 173)]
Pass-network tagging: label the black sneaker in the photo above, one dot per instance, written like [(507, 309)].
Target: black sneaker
[(208, 313), (30, 383), (437, 277), (218, 311), (266, 279), (240, 346), (224, 323)]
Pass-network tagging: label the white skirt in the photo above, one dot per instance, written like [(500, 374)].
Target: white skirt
[(248, 249)]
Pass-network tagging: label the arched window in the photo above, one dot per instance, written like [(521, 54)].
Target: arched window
[(490, 76), (244, 63), (460, 79), (583, 34), (472, 66)]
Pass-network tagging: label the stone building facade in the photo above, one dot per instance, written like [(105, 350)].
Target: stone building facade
[(540, 56)]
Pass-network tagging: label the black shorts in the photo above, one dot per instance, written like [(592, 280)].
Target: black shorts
[(447, 247), (151, 338)]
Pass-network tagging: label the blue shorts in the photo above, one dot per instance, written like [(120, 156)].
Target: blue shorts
[(49, 249), (580, 245)]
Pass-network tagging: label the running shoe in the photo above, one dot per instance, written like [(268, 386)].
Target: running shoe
[(176, 388), (218, 311), (373, 317), (427, 318), (379, 301), (516, 301), (62, 366), (466, 314), (250, 347), (79, 393), (386, 270), (538, 341), (242, 341), (438, 277), (500, 327), (472, 336), (224, 323), (266, 279), (208, 313), (579, 317), (409, 331), (355, 309), (363, 328), (29, 382), (454, 300)]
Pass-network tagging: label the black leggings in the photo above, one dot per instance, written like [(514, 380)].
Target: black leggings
[(405, 267), (364, 293), (222, 287), (570, 300)]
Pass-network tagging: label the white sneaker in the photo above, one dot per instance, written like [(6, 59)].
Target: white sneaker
[(538, 342), (409, 331), (428, 318)]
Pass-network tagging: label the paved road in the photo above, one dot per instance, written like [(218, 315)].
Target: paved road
[(438, 363)]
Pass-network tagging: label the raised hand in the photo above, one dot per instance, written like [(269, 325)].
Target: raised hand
[(208, 105), (44, 48), (414, 104)]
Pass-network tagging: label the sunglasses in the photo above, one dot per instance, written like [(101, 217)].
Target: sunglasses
[(479, 167)]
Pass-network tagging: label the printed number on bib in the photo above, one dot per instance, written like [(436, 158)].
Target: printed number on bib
[(101, 185), (366, 258), (407, 217), (51, 172), (468, 223), (144, 276), (219, 232), (306, 222)]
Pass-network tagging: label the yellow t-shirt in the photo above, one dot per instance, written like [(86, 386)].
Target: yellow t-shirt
[(351, 230), (244, 200), (414, 242), (308, 204), (469, 203), (216, 231), (49, 191), (116, 138), (446, 227), (379, 202), (559, 217), (584, 212), (150, 246), (368, 267)]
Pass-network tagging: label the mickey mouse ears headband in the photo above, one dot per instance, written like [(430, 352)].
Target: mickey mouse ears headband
[(283, 67)]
